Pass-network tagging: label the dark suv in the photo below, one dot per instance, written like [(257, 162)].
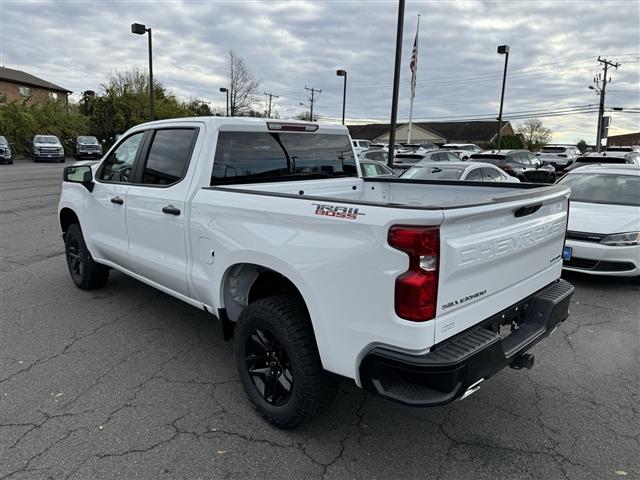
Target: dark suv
[(522, 164), (5, 151), (87, 147)]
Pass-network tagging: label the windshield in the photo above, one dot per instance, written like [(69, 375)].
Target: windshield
[(46, 139), (553, 149), (3, 140), (493, 159), (603, 159), (250, 157), (614, 189), (434, 173), (84, 139)]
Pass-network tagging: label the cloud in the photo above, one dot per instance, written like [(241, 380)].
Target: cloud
[(290, 45)]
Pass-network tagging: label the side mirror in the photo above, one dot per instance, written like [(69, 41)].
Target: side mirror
[(79, 174)]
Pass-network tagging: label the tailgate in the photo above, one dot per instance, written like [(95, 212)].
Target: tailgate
[(494, 255)]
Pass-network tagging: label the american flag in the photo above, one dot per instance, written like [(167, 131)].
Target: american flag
[(413, 64)]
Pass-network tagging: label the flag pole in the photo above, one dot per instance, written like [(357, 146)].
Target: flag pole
[(413, 78)]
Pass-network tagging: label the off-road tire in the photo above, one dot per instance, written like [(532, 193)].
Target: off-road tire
[(85, 273), (287, 319)]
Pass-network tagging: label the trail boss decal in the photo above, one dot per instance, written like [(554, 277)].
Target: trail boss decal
[(337, 211)]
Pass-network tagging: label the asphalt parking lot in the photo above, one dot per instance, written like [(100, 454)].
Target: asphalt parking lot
[(126, 382)]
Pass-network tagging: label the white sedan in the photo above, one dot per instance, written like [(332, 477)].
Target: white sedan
[(603, 237), (471, 172)]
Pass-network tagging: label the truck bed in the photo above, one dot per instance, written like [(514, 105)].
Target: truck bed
[(400, 193)]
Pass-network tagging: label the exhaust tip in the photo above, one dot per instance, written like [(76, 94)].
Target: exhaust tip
[(472, 389)]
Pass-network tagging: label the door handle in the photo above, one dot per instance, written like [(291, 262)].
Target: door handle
[(171, 210), (117, 200)]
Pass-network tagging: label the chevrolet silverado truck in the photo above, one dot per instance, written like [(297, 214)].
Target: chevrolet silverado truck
[(416, 290)]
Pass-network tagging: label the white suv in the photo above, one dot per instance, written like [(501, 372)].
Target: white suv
[(560, 156)]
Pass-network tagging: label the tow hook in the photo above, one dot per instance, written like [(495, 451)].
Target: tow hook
[(523, 361)]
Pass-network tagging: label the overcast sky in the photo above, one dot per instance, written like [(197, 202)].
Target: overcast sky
[(554, 46)]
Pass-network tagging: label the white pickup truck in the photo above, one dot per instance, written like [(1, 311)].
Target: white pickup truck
[(416, 290)]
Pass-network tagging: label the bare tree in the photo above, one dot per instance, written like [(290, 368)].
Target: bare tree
[(243, 86), (534, 134)]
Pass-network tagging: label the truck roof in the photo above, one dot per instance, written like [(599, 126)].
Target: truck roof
[(252, 124)]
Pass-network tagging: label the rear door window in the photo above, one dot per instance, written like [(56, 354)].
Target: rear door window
[(169, 155), (492, 175), (475, 175)]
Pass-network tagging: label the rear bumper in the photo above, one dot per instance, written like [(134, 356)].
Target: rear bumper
[(453, 366)]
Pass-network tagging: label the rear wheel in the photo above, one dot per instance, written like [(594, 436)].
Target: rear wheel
[(85, 273), (278, 361)]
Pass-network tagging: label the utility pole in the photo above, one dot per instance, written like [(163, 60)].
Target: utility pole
[(270, 95), (601, 90), (312, 99)]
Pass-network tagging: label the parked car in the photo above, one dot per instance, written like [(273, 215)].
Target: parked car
[(400, 287), (610, 157), (560, 156), (5, 151), (405, 160), (603, 236), (47, 147), (87, 147), (361, 145), (472, 172), (522, 164), (371, 168), (463, 150)]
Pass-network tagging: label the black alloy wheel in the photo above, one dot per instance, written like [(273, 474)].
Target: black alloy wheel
[(269, 367), (74, 259)]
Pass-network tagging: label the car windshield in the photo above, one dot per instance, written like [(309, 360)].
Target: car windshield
[(493, 159), (603, 159), (46, 139), (3, 140), (553, 150), (614, 189), (434, 173), (84, 139)]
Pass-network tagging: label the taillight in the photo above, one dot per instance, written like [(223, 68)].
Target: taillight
[(417, 289)]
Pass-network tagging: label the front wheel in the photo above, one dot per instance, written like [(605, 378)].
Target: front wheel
[(278, 361), (85, 273)]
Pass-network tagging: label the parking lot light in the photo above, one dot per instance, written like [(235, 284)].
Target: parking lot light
[(226, 90), (343, 73), (502, 50), (141, 29)]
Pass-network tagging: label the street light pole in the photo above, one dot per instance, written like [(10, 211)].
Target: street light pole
[(343, 73), (226, 90), (502, 50), (140, 29), (396, 84)]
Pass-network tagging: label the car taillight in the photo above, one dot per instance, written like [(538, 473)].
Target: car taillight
[(417, 289)]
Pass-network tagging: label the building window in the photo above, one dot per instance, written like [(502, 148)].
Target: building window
[(53, 95), (3, 99), (25, 92)]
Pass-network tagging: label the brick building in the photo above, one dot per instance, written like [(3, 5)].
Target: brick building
[(16, 85)]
